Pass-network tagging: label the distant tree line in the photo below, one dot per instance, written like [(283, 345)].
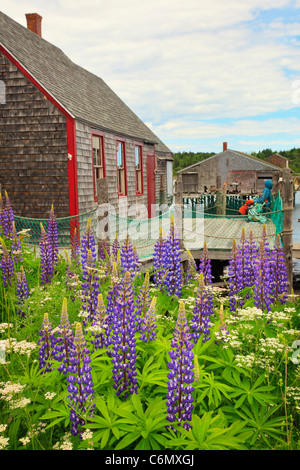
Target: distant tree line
[(185, 159)]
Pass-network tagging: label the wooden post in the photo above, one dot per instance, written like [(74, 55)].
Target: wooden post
[(287, 229)]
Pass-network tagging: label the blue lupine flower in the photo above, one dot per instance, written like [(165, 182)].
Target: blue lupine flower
[(191, 270), (7, 217), (234, 300), (53, 237), (75, 248), (143, 301), (46, 343), (278, 272), (46, 258), (158, 259), (80, 384), (205, 266), (180, 389), (90, 288), (202, 312), (263, 280), (123, 340), (22, 291), (16, 248), (64, 347), (148, 325), (128, 259), (172, 262), (100, 328), (7, 266), (88, 243)]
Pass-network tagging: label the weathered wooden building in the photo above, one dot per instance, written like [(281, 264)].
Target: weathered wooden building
[(242, 172), (65, 137)]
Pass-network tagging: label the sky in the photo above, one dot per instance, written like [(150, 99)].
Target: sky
[(198, 73)]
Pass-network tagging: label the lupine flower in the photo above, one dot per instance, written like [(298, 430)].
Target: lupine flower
[(75, 248), (22, 291), (115, 248), (88, 243), (123, 340), (278, 272), (172, 262), (148, 325), (46, 345), (113, 293), (1, 212), (158, 259), (202, 311), (263, 280), (143, 302), (16, 248), (46, 258), (251, 249), (191, 267), (104, 250), (90, 287), (100, 327), (7, 217), (7, 266), (205, 266), (53, 237), (128, 259), (80, 383), (179, 396), (64, 347), (233, 278)]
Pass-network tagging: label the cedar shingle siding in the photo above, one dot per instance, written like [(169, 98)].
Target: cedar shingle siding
[(33, 148)]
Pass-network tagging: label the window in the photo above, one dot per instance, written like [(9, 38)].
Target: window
[(138, 169), (121, 168), (98, 160)]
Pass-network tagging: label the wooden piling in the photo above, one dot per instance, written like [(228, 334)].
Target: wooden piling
[(287, 228)]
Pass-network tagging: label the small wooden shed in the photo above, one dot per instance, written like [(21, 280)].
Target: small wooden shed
[(242, 172), (65, 137)]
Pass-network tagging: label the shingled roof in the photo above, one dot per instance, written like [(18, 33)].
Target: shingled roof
[(84, 95)]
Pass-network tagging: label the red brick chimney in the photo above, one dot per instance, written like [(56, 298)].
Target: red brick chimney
[(224, 146), (34, 23)]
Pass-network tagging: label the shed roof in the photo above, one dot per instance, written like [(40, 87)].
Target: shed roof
[(84, 95), (231, 153)]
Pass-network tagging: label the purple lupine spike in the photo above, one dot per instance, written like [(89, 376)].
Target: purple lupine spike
[(123, 340), (205, 266), (8, 217), (100, 328), (202, 312), (46, 258), (90, 288), (263, 281), (191, 270), (46, 343), (128, 261), (75, 248), (233, 278), (252, 250), (113, 293), (16, 247), (278, 272), (80, 384), (115, 248), (64, 347), (1, 212), (179, 396), (148, 325), (53, 237), (22, 291), (158, 259), (7, 266), (172, 262), (143, 301), (88, 243)]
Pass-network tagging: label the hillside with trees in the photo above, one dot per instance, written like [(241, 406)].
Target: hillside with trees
[(184, 159)]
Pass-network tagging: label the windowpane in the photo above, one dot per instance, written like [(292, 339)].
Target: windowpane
[(121, 172), (138, 169)]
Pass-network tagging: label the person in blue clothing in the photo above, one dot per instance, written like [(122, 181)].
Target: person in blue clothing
[(266, 197)]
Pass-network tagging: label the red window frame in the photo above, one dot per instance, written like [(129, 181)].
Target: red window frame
[(139, 191), (122, 143), (100, 135)]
